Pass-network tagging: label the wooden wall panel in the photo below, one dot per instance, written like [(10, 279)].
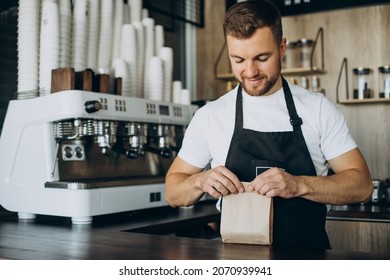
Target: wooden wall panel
[(209, 41), (369, 237), (362, 36), (359, 34)]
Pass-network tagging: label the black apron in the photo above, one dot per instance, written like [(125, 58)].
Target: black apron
[(298, 222)]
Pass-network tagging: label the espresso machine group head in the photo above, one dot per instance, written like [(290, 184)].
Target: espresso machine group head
[(81, 154)]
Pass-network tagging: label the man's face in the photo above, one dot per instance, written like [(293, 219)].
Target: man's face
[(256, 62)]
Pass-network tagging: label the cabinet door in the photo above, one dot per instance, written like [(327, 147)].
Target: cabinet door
[(369, 237)]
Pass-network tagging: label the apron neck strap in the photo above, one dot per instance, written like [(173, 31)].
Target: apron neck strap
[(239, 113), (295, 120)]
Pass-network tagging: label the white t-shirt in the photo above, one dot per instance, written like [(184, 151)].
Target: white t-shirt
[(207, 138)]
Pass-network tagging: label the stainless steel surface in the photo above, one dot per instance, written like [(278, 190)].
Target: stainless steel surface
[(387, 190), (93, 184), (378, 194), (64, 157)]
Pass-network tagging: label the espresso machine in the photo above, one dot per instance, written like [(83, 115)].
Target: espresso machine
[(81, 154)]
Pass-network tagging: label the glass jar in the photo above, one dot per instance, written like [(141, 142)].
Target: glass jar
[(305, 47), (290, 56), (384, 81), (362, 87), (304, 82), (315, 83)]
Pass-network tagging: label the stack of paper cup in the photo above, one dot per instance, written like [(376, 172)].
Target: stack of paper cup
[(166, 55), (79, 34), (176, 92), (155, 79), (128, 52), (159, 38), (185, 98), (126, 13), (49, 55), (93, 33), (149, 36), (144, 14), (65, 32), (121, 71), (135, 10), (105, 36), (118, 22), (139, 32), (149, 47), (28, 48)]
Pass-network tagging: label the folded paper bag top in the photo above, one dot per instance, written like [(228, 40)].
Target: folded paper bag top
[(247, 218)]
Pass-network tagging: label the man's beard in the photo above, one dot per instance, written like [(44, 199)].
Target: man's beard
[(269, 82)]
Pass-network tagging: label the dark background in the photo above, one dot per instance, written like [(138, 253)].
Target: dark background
[(296, 7)]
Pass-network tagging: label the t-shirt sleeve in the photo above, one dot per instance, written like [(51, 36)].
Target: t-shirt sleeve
[(194, 148), (335, 136)]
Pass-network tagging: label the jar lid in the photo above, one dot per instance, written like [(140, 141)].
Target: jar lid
[(305, 42), (291, 44), (384, 69), (361, 71)]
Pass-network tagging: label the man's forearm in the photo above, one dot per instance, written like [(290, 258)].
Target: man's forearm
[(182, 189), (346, 187)]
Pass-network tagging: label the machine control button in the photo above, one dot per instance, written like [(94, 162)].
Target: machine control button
[(68, 152), (92, 106), (73, 152), (79, 152)]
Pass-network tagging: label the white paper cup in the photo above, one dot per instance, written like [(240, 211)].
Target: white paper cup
[(140, 38), (154, 79), (105, 34), (49, 44), (166, 55), (135, 7), (185, 98), (28, 44), (159, 38), (121, 70), (176, 91)]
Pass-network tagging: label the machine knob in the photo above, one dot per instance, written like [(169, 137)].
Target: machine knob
[(165, 153), (92, 106), (132, 154)]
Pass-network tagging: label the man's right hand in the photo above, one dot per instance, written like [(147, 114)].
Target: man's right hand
[(220, 181)]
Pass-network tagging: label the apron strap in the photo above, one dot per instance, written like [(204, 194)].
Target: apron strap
[(295, 120), (239, 123)]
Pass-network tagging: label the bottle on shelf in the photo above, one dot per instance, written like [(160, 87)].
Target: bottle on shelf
[(362, 83), (305, 47), (384, 81)]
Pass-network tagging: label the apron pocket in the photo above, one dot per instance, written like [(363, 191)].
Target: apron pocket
[(260, 166)]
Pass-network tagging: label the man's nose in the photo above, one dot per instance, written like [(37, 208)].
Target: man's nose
[(251, 69)]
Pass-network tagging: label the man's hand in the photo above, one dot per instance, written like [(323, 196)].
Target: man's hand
[(276, 182), (220, 181)]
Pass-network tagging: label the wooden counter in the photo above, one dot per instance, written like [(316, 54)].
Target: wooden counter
[(119, 237), (362, 228)]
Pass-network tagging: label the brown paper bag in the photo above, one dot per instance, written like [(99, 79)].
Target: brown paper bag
[(247, 218)]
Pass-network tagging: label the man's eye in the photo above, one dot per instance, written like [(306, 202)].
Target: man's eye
[(263, 58)]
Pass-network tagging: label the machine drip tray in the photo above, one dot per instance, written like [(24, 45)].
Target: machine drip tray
[(104, 183)]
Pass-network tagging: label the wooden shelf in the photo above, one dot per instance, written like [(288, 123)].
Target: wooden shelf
[(312, 70), (303, 71), (364, 101), (346, 101)]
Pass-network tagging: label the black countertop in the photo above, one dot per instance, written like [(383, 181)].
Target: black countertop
[(134, 236), (361, 212)]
